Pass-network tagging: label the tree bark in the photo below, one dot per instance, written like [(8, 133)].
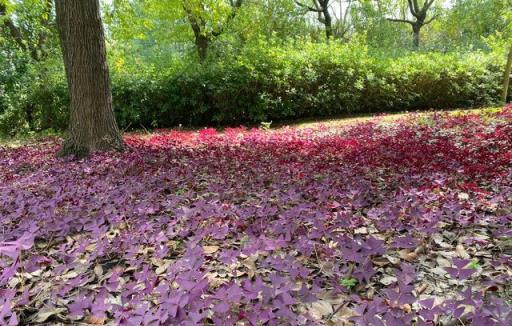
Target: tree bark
[(202, 43), (416, 30), (506, 77), (420, 19), (321, 7), (92, 125), (202, 37), (327, 23)]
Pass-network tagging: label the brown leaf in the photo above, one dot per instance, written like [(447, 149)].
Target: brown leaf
[(461, 252), (420, 249), (343, 316), (320, 309), (387, 280), (361, 230), (380, 261), (163, 267), (45, 313), (98, 270), (407, 255), (463, 196), (93, 320), (210, 249), (393, 260), (420, 289), (439, 240), (443, 262), (250, 264)]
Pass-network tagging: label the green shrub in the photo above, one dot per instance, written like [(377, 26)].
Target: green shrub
[(275, 83), (32, 98), (279, 83)]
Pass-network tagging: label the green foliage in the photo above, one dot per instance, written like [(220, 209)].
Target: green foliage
[(34, 98), (269, 62), (460, 26), (269, 82), (275, 83), (474, 264), (349, 283)]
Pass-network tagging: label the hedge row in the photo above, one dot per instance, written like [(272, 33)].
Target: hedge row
[(278, 84)]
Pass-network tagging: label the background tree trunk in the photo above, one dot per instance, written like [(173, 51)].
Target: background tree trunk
[(506, 77), (419, 14), (202, 43), (416, 30), (327, 23), (92, 125)]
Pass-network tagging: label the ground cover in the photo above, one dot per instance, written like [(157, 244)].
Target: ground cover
[(379, 222)]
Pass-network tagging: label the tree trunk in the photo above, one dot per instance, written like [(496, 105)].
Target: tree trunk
[(92, 125), (202, 43), (506, 77), (416, 29), (327, 23)]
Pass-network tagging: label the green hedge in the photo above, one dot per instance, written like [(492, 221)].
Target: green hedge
[(280, 83), (319, 81)]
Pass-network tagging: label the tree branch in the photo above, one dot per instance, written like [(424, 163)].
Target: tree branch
[(39, 51), (428, 4), (13, 29), (194, 23), (431, 19), (400, 20), (308, 7), (412, 8), (235, 6), (416, 5)]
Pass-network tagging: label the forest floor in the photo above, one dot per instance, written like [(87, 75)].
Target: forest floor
[(391, 220), (34, 138)]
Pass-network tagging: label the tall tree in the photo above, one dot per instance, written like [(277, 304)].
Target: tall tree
[(321, 8), (205, 31), (419, 18), (92, 124)]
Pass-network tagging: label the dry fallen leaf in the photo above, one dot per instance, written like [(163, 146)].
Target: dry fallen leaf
[(407, 255), (463, 196), (320, 309), (93, 320), (461, 252), (45, 313), (387, 280), (442, 262), (380, 261), (98, 270), (420, 289), (440, 241), (210, 249), (250, 264)]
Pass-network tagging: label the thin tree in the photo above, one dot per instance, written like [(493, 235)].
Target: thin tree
[(203, 36), (321, 8), (92, 125), (343, 20), (419, 14), (506, 77)]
